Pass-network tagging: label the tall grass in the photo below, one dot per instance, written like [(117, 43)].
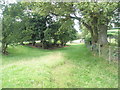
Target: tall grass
[(68, 67)]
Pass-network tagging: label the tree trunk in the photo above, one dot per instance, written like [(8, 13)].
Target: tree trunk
[(42, 41), (102, 36), (33, 43), (94, 36), (4, 48), (44, 44), (55, 42), (93, 32), (62, 43), (21, 43)]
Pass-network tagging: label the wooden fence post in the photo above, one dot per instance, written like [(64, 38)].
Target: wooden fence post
[(109, 54), (99, 49)]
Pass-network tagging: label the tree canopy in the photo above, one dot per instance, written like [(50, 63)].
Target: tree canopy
[(54, 21)]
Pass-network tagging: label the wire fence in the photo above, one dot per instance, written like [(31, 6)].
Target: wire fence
[(110, 53)]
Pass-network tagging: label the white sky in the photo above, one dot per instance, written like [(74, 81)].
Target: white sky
[(12, 1), (76, 26)]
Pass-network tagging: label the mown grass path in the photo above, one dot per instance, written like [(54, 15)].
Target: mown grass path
[(68, 67)]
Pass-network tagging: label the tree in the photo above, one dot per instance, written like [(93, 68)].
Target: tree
[(12, 31), (51, 32), (38, 25), (96, 17), (66, 32)]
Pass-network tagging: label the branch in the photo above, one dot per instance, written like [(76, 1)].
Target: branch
[(87, 26)]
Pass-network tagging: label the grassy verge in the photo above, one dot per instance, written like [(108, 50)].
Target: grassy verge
[(68, 67)]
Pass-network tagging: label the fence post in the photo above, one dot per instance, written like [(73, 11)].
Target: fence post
[(99, 49), (109, 54)]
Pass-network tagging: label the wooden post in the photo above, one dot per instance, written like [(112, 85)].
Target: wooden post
[(109, 54), (99, 49)]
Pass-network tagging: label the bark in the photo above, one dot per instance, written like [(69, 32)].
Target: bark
[(94, 38), (62, 44), (4, 48), (45, 44), (98, 34), (102, 35), (93, 32), (33, 43)]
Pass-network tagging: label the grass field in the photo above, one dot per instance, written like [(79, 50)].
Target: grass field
[(68, 67)]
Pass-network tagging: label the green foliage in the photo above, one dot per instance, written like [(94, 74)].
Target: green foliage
[(67, 31), (85, 31), (59, 31), (113, 36), (95, 16), (13, 27), (38, 25), (79, 36), (52, 32)]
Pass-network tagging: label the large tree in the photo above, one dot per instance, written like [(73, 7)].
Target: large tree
[(13, 31), (96, 17)]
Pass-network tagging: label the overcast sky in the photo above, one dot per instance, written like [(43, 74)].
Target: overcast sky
[(76, 26)]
